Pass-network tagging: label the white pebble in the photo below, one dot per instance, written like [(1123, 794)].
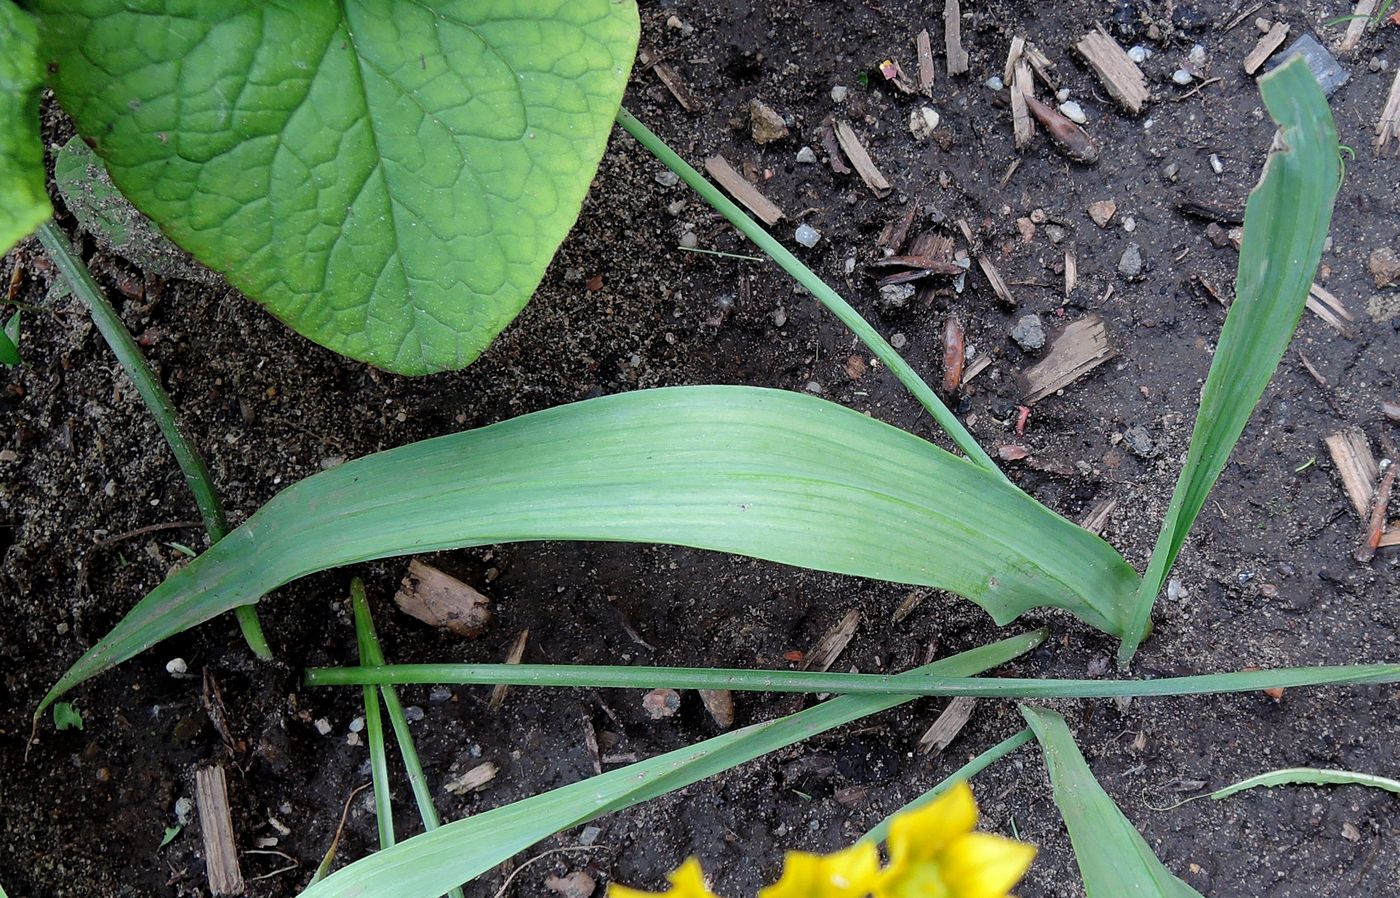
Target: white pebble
[(994, 83), (899, 341), (183, 808), (807, 235), (1062, 94), (1073, 111), (357, 724), (323, 726), (923, 121), (850, 264), (1130, 224), (1181, 76), (1215, 164), (839, 93), (1197, 56), (805, 156), (176, 667), (1139, 53)]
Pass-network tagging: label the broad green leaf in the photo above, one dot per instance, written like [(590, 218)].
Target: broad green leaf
[(1309, 776), (389, 177), (66, 717), (23, 203), (1285, 226), (1114, 860), (425, 866), (765, 473)]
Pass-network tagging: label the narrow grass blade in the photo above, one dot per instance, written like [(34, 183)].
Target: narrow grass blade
[(1309, 776), (609, 677), (128, 353), (1285, 225), (374, 724), (765, 473), (881, 830), (427, 865), (371, 652), (814, 285), (1114, 859)]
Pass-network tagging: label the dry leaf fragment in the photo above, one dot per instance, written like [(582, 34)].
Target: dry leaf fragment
[(441, 600)]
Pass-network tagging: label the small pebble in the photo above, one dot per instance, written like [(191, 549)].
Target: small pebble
[(1074, 112), (677, 207), (413, 713), (1139, 53), (440, 694), (839, 93), (895, 296), (923, 121), (1139, 441), (1170, 171), (1374, 64), (849, 265), (323, 726), (1130, 224), (779, 317), (813, 387), (1197, 56), (1264, 25), (589, 835), (1215, 164), (807, 235), (1062, 94), (994, 83), (1130, 263), (357, 724), (176, 667), (667, 178), (1028, 332), (899, 341), (805, 156), (1175, 590), (689, 240), (1181, 76)]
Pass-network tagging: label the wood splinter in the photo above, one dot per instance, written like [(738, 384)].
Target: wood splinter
[(1121, 77), (216, 826)]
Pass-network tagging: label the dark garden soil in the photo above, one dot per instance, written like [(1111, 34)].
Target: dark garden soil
[(1267, 579)]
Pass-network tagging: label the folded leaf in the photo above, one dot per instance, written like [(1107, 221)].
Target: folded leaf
[(765, 473), (23, 203), (1114, 860), (389, 178)]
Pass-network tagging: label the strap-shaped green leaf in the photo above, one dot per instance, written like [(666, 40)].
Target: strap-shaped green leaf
[(23, 203), (1114, 859), (766, 473), (389, 177)]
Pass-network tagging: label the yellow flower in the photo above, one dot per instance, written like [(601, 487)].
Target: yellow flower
[(687, 882), (845, 874), (934, 853)]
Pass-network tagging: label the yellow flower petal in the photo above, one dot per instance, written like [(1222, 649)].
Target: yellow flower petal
[(688, 881), (844, 874), (981, 865), (924, 833)]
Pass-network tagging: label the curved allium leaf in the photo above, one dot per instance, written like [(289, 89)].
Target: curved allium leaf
[(389, 177), (1114, 859), (765, 473), (23, 203), (1309, 776)]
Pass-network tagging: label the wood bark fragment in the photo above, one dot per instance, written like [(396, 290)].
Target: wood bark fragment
[(1388, 126), (517, 651), (947, 726), (832, 644), (1329, 308), (952, 37), (1013, 56), (906, 607), (833, 149), (1391, 537), (473, 780), (954, 355), (1375, 527), (1265, 48), (720, 704), (989, 270), (1391, 410), (1096, 518), (1351, 454), (442, 600), (1360, 17), (861, 161), (216, 827), (749, 196), (1042, 66), (896, 231), (1121, 77), (1080, 348), (670, 78), (1022, 126), (980, 364), (926, 71)]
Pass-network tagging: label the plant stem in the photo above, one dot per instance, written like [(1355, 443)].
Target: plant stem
[(814, 285), (374, 724), (128, 353), (880, 831), (373, 654), (605, 677)]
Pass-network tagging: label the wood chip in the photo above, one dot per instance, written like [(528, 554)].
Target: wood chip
[(1265, 48), (1391, 537), (216, 826), (860, 159), (833, 149), (749, 197), (668, 76), (1330, 309), (517, 651), (1096, 518), (1351, 454), (1360, 17), (926, 72), (830, 646), (1022, 125), (1121, 77), (989, 270), (1375, 528), (1013, 56), (896, 231), (1388, 126), (946, 728), (952, 37), (1071, 272), (910, 602), (980, 364), (443, 601), (1080, 348), (1042, 66), (720, 704), (474, 780)]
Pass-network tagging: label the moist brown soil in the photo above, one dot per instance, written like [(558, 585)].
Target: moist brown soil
[(1268, 576)]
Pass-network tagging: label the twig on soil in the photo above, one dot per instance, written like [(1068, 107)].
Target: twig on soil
[(1079, 349), (216, 827), (993, 276), (1327, 392), (832, 644), (1360, 18), (1266, 47), (1197, 89), (860, 158), (947, 726), (669, 77), (1351, 453), (1242, 15), (926, 71), (109, 541), (729, 178), (516, 653), (1096, 518)]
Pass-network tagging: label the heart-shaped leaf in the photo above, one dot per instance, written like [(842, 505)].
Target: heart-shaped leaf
[(389, 177), (23, 203)]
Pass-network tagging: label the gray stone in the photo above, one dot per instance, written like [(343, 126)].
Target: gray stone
[(895, 297), (1130, 263), (1028, 332), (1140, 441)]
